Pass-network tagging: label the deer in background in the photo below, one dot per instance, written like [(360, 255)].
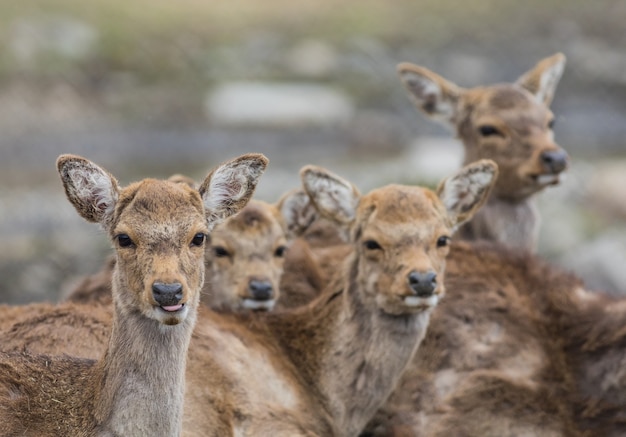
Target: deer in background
[(325, 368), (509, 123), (158, 229)]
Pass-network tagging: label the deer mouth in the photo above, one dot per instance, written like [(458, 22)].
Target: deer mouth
[(173, 308), (547, 178), (421, 302), (258, 305)]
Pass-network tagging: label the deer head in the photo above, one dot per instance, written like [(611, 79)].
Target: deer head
[(508, 123)]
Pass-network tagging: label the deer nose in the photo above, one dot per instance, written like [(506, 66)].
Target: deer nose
[(423, 284), (260, 290), (554, 160), (167, 294)]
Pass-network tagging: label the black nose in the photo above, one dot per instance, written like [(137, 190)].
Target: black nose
[(260, 290), (554, 160), (167, 294), (423, 284)]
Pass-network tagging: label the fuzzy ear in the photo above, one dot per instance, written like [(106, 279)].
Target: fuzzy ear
[(298, 211), (465, 192), (430, 92), (544, 77), (227, 189), (92, 190), (333, 196)]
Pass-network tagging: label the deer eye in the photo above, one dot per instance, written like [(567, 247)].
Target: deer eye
[(220, 252), (280, 251), (198, 239), (551, 123), (371, 245), (124, 240), (443, 241), (489, 131)]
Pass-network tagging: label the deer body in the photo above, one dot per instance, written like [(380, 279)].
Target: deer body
[(137, 387), (510, 124)]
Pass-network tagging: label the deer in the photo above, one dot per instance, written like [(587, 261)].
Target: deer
[(325, 368), (510, 123), (518, 347), (136, 387)]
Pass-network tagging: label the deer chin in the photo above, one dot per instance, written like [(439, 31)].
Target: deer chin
[(258, 305), (421, 302), (171, 314)]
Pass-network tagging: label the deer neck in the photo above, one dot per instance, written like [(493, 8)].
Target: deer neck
[(352, 353), (141, 376), (514, 223)]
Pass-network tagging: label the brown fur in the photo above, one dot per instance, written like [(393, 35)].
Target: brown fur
[(136, 388), (522, 142), (325, 368), (517, 347)]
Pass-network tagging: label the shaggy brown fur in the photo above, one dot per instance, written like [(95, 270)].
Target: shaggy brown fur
[(509, 123), (325, 368), (136, 388), (517, 347)]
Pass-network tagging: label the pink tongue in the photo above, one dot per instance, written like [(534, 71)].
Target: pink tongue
[(172, 307)]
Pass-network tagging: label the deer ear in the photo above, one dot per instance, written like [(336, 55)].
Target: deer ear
[(465, 192), (229, 187), (92, 190), (431, 93), (333, 196), (542, 80), (298, 211)]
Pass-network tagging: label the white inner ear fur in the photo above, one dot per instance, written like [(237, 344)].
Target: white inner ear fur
[(298, 211), (424, 89), (333, 196), (548, 81), (94, 187), (460, 193), (228, 185)]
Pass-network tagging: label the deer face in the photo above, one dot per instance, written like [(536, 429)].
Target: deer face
[(158, 228), (400, 234), (507, 124), (159, 231), (245, 259), (510, 124), (401, 240)]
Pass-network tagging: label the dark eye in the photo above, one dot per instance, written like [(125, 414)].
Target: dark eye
[(551, 123), (124, 240), (198, 239), (280, 251), (220, 251), (371, 245), (488, 131), (443, 241)]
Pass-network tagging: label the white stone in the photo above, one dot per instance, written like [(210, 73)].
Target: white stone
[(277, 104)]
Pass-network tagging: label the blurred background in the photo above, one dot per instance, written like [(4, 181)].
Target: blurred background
[(156, 87)]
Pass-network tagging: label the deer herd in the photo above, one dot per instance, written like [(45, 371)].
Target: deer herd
[(329, 312)]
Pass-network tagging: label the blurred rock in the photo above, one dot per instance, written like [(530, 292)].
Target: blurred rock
[(430, 159), (277, 104)]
